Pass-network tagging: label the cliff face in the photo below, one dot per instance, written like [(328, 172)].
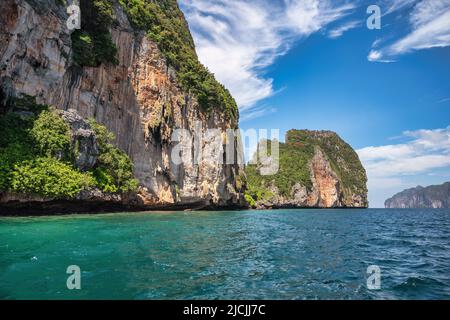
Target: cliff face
[(316, 169), (139, 99), (435, 197)]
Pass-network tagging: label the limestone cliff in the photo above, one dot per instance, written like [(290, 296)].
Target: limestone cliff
[(435, 197), (317, 169), (138, 97)]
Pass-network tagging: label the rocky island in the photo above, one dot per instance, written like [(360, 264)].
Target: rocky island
[(317, 169), (434, 197), (132, 68), (87, 118)]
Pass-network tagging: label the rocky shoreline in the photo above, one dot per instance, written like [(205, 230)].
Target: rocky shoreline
[(73, 207), (97, 202), (67, 207), (139, 99)]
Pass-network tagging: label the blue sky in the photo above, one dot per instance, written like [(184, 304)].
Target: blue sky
[(314, 64)]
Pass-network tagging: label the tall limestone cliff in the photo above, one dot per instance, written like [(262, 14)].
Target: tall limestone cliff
[(140, 84), (434, 197), (316, 169)]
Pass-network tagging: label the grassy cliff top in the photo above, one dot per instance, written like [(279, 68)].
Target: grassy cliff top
[(297, 153), (165, 24)]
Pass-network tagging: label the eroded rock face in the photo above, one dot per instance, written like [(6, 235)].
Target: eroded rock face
[(325, 192), (139, 100), (84, 140), (325, 183)]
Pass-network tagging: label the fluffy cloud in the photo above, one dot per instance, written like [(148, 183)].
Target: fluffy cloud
[(430, 28), (238, 39), (392, 168), (425, 150)]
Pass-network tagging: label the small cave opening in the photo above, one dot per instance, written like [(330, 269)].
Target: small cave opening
[(4, 101), (156, 133)]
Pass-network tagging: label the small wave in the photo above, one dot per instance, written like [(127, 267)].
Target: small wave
[(418, 283)]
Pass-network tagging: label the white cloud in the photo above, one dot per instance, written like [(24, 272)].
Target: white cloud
[(307, 17), (427, 10), (430, 28), (238, 39), (397, 5), (374, 55), (435, 33), (427, 149), (392, 168), (339, 31), (256, 111)]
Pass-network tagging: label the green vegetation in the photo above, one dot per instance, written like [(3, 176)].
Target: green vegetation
[(165, 24), (343, 159), (37, 157), (34, 150), (294, 159), (114, 171), (250, 200), (49, 177), (9, 156), (293, 169), (51, 135), (27, 103), (92, 44)]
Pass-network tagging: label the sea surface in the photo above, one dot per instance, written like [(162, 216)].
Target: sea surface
[(284, 254)]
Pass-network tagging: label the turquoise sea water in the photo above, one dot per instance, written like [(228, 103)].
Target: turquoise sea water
[(284, 254)]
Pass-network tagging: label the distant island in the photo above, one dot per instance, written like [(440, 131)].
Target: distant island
[(436, 197)]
